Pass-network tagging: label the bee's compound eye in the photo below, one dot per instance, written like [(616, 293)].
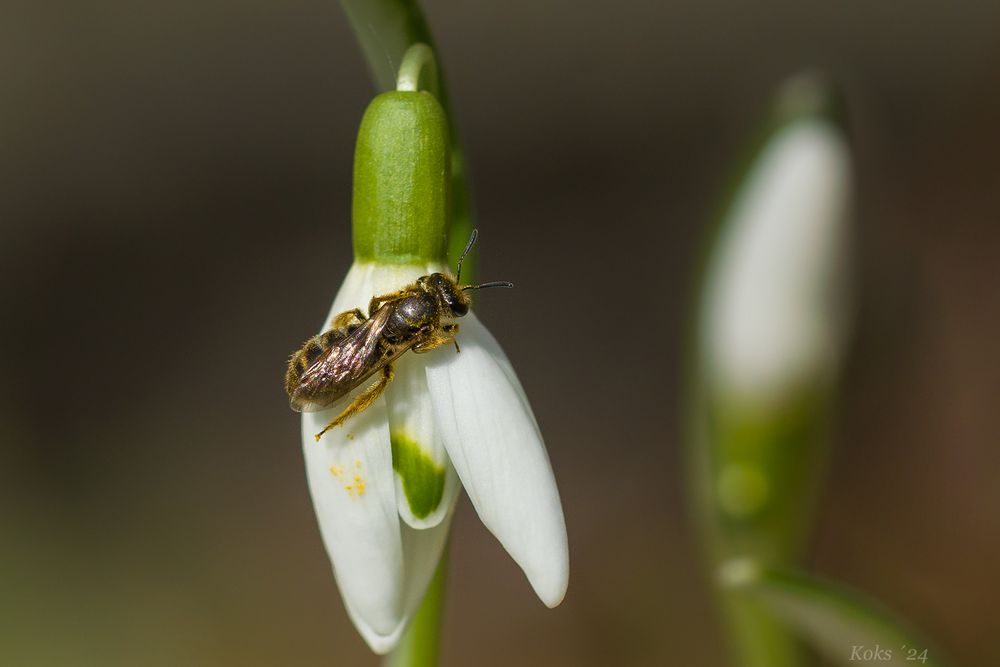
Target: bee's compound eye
[(459, 308)]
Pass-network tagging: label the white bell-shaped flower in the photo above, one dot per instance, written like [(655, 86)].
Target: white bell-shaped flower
[(385, 483)]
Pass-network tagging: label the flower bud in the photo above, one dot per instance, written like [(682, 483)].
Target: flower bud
[(773, 317)]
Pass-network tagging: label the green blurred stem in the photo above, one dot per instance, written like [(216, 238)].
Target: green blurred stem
[(421, 645), (385, 30), (757, 639), (753, 479)]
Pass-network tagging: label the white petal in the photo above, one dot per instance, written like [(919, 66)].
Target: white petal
[(410, 413), (772, 318), (354, 491), (422, 550), (494, 443), (354, 292), (426, 482), (354, 494)]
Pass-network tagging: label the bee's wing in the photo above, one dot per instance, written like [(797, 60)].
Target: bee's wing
[(342, 366)]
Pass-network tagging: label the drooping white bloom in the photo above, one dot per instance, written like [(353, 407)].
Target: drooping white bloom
[(773, 319), (385, 484)]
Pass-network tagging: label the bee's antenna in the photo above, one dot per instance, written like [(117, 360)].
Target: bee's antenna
[(495, 283), (468, 247), (458, 271)]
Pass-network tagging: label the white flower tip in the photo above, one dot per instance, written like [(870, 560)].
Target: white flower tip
[(543, 555), (379, 642), (550, 586)]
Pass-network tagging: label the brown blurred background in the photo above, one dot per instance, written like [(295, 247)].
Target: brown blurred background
[(174, 202)]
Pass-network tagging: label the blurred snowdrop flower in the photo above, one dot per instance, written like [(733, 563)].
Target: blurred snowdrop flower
[(385, 483), (773, 318), (771, 332)]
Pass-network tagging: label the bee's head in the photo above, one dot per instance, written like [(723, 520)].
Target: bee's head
[(451, 293), (453, 299)]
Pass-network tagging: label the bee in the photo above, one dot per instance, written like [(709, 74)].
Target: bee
[(334, 363)]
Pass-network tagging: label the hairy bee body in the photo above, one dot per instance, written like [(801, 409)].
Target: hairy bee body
[(331, 365), (312, 350)]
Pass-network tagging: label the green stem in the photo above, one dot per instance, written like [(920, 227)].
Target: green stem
[(385, 29), (421, 645), (772, 534)]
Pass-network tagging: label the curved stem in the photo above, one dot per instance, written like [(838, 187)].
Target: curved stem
[(385, 29), (419, 64)]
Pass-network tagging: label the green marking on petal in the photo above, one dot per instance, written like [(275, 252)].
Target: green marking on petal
[(423, 479)]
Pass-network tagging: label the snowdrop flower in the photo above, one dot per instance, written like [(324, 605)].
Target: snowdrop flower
[(385, 483), (773, 320), (771, 331)]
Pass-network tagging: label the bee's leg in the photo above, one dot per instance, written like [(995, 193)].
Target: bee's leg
[(344, 319), (362, 401), (451, 330), (439, 339)]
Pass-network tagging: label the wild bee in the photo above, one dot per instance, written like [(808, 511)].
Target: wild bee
[(329, 366)]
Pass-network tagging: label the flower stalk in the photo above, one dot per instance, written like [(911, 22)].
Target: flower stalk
[(421, 643), (385, 30), (419, 71)]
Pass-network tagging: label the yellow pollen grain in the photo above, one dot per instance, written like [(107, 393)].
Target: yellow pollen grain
[(355, 490), (357, 463), (336, 470)]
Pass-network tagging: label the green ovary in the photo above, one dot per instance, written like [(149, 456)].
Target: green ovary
[(423, 479)]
